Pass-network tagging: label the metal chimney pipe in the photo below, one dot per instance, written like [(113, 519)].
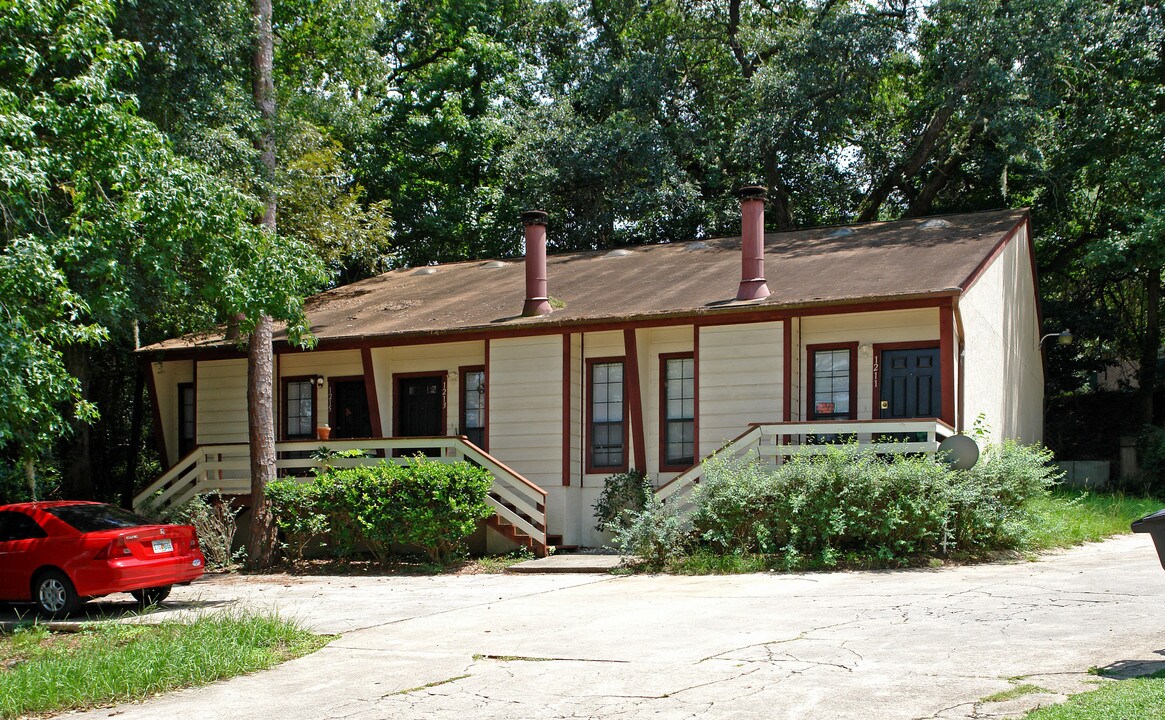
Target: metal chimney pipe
[(752, 244), (537, 301)]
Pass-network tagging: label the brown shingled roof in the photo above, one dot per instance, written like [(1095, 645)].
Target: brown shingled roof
[(858, 263)]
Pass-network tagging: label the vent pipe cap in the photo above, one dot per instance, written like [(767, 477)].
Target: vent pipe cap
[(534, 217), (752, 192)]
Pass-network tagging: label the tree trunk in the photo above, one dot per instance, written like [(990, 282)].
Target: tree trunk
[(76, 463), (135, 440), (261, 546), (923, 150), (1147, 376), (921, 204), (30, 476)]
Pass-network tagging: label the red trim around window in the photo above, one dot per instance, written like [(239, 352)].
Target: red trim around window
[(811, 366), (590, 468), (461, 373), (315, 406), (663, 358)]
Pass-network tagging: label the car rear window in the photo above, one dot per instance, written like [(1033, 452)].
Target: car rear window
[(92, 518)]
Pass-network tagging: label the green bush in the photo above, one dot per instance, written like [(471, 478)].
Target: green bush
[(817, 510), (299, 514), (848, 505), (624, 494), (14, 484), (427, 505), (439, 505), (214, 519), (990, 507), (1151, 449), (661, 532)]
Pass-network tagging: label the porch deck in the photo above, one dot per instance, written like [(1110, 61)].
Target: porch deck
[(519, 505), (776, 442)]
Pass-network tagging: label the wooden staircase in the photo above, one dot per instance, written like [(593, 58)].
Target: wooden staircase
[(514, 534), (519, 505)]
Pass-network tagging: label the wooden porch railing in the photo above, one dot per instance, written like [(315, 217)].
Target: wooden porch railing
[(775, 442), (226, 468)]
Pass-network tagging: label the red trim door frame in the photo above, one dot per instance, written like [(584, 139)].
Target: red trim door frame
[(944, 364), (443, 375)]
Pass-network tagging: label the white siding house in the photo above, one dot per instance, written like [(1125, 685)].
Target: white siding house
[(649, 359)]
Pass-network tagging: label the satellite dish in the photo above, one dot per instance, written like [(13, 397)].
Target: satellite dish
[(959, 451)]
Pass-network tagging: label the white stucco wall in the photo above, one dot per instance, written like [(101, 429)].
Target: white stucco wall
[(1004, 375)]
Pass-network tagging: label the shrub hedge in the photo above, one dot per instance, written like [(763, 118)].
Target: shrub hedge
[(428, 505), (849, 506)]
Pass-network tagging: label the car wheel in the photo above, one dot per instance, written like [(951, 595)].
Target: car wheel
[(151, 596), (54, 594)]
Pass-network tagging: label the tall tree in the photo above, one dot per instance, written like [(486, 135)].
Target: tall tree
[(103, 228), (260, 360)]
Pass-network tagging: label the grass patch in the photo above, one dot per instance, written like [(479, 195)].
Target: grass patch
[(42, 671), (1137, 699), (1015, 692), (492, 564), (1071, 517)]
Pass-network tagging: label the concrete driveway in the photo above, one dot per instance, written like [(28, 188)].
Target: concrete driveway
[(907, 644)]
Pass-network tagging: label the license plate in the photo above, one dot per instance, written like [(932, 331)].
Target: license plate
[(162, 546)]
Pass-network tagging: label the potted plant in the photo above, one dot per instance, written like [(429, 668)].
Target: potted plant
[(323, 432)]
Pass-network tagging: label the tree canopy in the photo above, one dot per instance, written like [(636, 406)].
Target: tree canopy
[(414, 132), (105, 228)]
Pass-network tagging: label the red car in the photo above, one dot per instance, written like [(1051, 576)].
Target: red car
[(59, 553)]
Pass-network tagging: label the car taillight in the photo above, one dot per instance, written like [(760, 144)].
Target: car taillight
[(194, 542), (116, 549)]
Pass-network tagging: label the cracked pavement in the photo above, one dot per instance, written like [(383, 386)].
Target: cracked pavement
[(896, 644)]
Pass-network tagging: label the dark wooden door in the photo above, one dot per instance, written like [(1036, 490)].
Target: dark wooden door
[(420, 408), (349, 416), (910, 386)]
